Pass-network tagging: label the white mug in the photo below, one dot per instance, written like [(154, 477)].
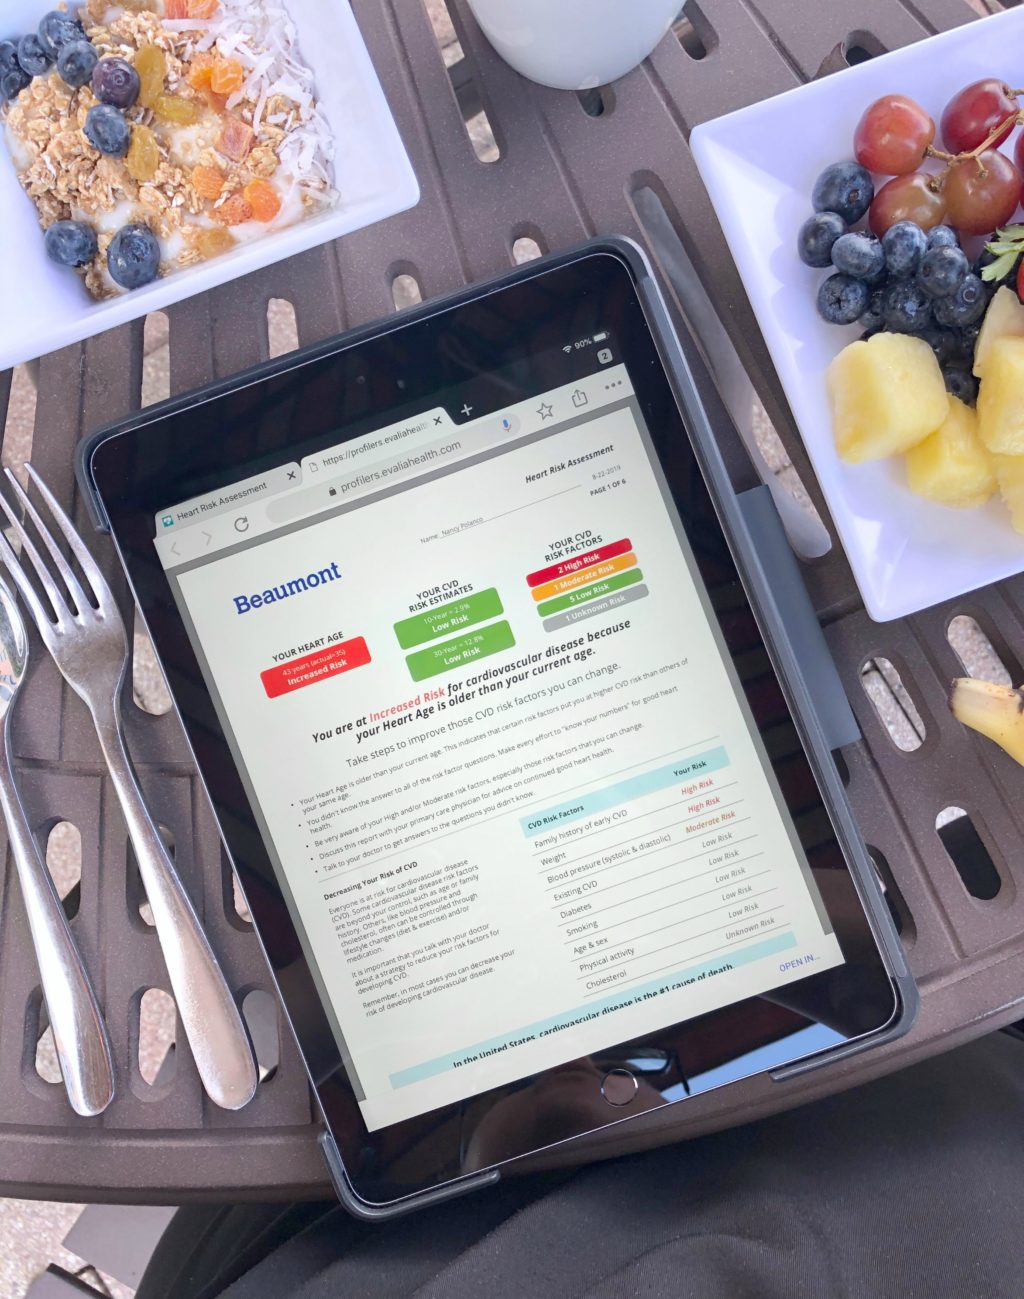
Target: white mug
[(574, 44)]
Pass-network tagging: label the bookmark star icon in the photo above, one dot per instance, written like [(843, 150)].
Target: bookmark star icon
[(545, 410)]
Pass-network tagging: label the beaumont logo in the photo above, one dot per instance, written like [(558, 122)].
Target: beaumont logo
[(243, 603)]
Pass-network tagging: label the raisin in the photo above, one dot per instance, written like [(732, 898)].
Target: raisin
[(228, 77), (151, 65), (143, 155), (233, 211), (207, 182), (172, 108), (263, 199), (212, 242)]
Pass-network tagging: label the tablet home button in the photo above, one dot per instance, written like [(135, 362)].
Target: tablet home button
[(618, 1087)]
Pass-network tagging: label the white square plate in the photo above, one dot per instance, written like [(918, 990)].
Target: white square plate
[(372, 174), (759, 165)]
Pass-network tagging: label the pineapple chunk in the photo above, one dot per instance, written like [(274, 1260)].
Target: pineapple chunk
[(887, 395), (1001, 399), (1010, 473), (1004, 319), (951, 466)]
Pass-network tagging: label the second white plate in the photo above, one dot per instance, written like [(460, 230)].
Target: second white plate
[(759, 165)]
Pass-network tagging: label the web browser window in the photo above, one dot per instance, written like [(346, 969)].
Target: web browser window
[(496, 747)]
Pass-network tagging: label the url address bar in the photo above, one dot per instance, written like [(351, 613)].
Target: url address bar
[(330, 491)]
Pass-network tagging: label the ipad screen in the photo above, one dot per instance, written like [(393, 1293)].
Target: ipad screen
[(499, 754)]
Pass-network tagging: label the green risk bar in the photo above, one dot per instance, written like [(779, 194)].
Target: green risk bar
[(447, 618), (586, 593), (452, 654)]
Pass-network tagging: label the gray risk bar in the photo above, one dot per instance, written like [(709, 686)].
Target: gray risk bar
[(615, 601)]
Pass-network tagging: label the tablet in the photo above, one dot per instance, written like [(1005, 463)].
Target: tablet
[(532, 813)]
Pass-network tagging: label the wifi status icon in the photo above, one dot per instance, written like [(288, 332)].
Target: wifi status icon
[(567, 348)]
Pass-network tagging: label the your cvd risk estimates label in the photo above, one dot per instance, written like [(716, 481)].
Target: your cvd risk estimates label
[(447, 618)]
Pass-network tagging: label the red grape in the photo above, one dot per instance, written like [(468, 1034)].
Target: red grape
[(907, 198), (981, 198), (972, 115), (1019, 152), (1020, 281), (893, 135)]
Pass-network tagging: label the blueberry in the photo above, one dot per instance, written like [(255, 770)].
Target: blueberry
[(961, 383), (842, 299), (71, 243), (945, 343), (942, 237), (75, 63), (33, 59), (107, 130), (845, 188), (967, 341), (817, 235), (859, 255), (115, 81), (57, 30), (966, 305), (133, 257), (13, 82), (8, 56), (874, 317), (904, 244), (941, 271), (908, 309)]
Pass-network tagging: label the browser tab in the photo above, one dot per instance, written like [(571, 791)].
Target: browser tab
[(282, 478), (405, 435)]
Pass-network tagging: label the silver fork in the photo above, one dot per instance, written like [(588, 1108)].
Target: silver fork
[(79, 1033), (87, 641)]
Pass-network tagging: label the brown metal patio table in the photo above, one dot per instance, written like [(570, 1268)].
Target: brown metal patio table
[(568, 167)]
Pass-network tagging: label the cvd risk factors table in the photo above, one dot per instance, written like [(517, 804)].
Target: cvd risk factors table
[(655, 872)]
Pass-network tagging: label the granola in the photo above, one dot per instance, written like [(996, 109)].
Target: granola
[(198, 130)]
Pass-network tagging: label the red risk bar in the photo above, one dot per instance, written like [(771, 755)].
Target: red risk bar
[(318, 666), (577, 562)]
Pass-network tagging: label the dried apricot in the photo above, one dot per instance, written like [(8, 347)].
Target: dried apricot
[(200, 76), (200, 72), (176, 9), (236, 139), (202, 8), (211, 242), (228, 77), (233, 211), (208, 182), (172, 108), (151, 65), (263, 199), (143, 155)]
